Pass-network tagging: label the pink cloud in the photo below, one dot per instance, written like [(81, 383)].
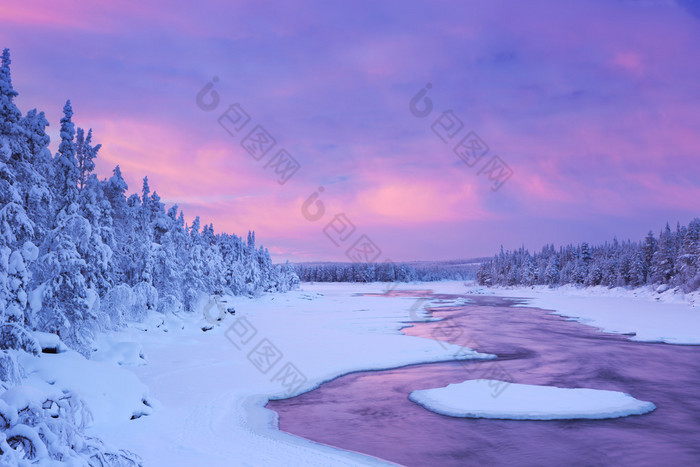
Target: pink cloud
[(629, 61), (593, 105)]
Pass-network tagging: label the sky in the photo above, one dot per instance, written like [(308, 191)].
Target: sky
[(575, 120)]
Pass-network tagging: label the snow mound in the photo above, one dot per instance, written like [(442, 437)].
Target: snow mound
[(474, 399), (50, 343)]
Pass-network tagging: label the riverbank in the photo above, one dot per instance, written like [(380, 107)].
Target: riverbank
[(372, 411), (188, 389), (642, 314), (208, 389)]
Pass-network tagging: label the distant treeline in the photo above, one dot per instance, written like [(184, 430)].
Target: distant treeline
[(672, 259), (387, 272)]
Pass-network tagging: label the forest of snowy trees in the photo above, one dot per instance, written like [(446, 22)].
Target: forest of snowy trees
[(355, 272), (385, 272), (670, 260), (78, 255)]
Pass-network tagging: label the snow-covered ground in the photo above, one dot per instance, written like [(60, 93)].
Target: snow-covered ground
[(474, 399), (197, 397), (642, 313), (191, 390)]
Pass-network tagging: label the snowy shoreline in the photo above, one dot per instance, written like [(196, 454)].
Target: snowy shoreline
[(209, 398), (196, 398), (642, 314)]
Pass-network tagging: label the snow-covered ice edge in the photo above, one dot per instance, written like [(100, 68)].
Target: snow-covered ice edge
[(643, 314), (473, 399)]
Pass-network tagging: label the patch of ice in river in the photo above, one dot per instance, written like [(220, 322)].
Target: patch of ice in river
[(475, 399)]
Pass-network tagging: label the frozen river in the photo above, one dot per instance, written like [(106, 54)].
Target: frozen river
[(370, 412)]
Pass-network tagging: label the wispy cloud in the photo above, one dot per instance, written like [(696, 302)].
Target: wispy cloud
[(592, 103)]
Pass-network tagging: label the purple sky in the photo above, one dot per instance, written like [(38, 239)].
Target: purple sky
[(594, 105)]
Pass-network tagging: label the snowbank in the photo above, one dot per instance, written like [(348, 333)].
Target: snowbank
[(112, 394), (474, 399), (208, 388), (642, 313), (183, 389)]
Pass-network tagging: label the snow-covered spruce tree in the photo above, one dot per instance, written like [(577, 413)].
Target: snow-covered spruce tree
[(145, 294), (231, 248), (17, 230), (649, 248), (195, 283), (115, 193), (288, 277), (169, 260), (551, 273), (662, 261), (32, 429), (36, 173), (10, 115), (65, 167), (85, 156), (687, 265), (96, 209), (16, 247), (251, 265), (66, 299), (213, 262)]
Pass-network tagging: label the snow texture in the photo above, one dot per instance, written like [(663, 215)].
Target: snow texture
[(474, 399), (642, 314), (208, 395)]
